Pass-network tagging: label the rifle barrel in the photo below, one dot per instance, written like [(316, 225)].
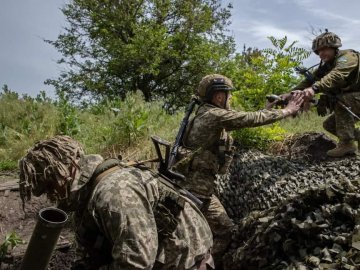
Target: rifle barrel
[(181, 132)]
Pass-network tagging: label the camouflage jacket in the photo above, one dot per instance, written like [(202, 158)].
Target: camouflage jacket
[(207, 146), (341, 75), (118, 226)]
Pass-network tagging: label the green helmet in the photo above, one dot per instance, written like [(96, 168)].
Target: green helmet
[(327, 39), (212, 83)]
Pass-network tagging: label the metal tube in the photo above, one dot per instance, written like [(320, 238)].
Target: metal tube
[(43, 240)]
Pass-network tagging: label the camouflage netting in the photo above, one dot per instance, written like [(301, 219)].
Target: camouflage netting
[(293, 213)]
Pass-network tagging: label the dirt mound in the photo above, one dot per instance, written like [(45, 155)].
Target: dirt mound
[(311, 146)]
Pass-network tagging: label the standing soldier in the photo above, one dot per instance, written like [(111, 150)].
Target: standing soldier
[(206, 149), (338, 78), (125, 217)]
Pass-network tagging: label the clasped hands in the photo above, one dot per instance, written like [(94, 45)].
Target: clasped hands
[(300, 99)]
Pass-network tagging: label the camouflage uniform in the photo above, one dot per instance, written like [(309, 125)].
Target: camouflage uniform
[(128, 218), (207, 151), (124, 214), (340, 78)]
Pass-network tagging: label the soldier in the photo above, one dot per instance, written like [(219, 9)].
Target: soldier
[(338, 78), (125, 217), (207, 149)]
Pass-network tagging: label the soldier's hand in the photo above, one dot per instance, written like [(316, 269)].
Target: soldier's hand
[(309, 93), (294, 104), (296, 92)]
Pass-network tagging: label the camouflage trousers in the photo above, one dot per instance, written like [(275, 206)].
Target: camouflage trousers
[(341, 123), (220, 223)]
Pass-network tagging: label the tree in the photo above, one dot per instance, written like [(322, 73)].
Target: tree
[(160, 47), (257, 73)]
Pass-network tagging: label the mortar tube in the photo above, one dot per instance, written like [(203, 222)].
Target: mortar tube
[(43, 240)]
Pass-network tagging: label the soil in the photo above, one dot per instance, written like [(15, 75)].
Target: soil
[(13, 218), (310, 146)]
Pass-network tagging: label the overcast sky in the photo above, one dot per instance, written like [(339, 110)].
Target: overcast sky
[(27, 61)]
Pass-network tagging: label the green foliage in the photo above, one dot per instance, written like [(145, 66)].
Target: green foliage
[(23, 120), (110, 127), (161, 48), (123, 124), (283, 50), (7, 165), (309, 121), (131, 121), (257, 73), (10, 242), (116, 126), (259, 137), (69, 123)]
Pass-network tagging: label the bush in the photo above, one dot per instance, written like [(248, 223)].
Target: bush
[(125, 126), (23, 120), (259, 137), (257, 73)]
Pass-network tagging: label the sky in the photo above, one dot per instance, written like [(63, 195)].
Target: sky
[(26, 61)]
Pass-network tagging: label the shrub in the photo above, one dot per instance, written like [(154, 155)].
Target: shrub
[(259, 137)]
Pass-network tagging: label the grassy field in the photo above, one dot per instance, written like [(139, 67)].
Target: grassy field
[(112, 128), (304, 122)]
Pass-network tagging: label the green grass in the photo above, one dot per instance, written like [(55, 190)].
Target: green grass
[(262, 137), (6, 165), (10, 242), (124, 131), (112, 128), (305, 122)]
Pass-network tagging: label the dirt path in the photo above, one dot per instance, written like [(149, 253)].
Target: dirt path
[(8, 176)]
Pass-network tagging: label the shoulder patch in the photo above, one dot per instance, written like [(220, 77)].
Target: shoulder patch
[(342, 59)]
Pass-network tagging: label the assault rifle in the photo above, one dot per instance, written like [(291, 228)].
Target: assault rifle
[(167, 173), (168, 159), (311, 79), (181, 132), (283, 99), (306, 72)]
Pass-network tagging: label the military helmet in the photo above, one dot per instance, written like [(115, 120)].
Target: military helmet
[(327, 39), (50, 167), (212, 83)]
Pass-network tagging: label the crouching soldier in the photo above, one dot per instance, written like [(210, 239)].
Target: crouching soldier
[(125, 217)]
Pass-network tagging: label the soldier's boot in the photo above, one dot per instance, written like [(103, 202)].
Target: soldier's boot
[(342, 149)]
